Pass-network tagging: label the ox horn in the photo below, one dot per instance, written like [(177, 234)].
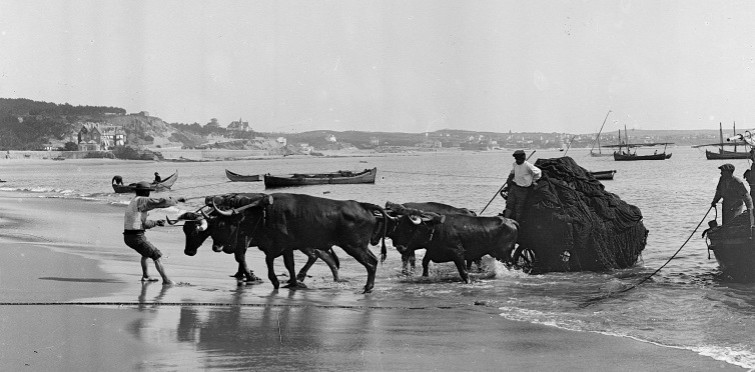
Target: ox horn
[(172, 222), (415, 219), (267, 198)]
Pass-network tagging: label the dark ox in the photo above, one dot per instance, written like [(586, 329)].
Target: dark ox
[(408, 259), (280, 223), (454, 238), (199, 226)]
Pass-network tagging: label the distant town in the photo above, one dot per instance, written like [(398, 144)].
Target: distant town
[(91, 131)]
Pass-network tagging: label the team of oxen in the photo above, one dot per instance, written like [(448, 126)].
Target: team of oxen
[(281, 223)]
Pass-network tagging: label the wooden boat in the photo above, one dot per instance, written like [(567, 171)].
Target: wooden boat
[(603, 175), (235, 177), (335, 178), (722, 154), (628, 155), (597, 140), (733, 246), (163, 185)]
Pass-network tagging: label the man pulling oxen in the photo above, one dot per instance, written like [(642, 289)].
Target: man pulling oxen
[(280, 223), (452, 237)]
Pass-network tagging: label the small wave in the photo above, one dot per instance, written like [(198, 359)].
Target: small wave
[(735, 356)]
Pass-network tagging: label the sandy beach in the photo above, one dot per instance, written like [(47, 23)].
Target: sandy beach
[(72, 300)]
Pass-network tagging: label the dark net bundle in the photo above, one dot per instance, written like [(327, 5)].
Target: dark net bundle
[(573, 224)]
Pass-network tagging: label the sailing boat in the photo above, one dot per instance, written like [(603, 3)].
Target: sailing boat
[(629, 155), (597, 139), (725, 154)]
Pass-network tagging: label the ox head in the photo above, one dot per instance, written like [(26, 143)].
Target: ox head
[(197, 228), (411, 229), (238, 217)]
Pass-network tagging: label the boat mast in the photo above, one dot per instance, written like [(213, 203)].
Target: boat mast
[(735, 133), (619, 141), (721, 133), (597, 138)]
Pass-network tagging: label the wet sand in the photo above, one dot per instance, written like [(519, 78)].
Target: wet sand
[(70, 251)]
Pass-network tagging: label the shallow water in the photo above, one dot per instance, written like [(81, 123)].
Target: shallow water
[(685, 305)]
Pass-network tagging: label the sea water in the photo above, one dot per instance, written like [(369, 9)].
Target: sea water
[(685, 305)]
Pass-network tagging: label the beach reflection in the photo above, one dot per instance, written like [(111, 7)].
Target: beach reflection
[(252, 331)]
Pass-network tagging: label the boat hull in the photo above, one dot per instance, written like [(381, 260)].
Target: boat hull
[(603, 175), (235, 177), (336, 178), (734, 253), (165, 184), (630, 157), (723, 154)]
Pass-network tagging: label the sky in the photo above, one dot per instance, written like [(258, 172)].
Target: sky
[(391, 66)]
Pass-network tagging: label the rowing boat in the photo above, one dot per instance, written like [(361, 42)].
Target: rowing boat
[(603, 175), (733, 245), (334, 178), (160, 186), (235, 177)]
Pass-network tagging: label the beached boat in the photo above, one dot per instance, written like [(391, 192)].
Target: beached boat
[(597, 141), (302, 179), (722, 154), (235, 177), (628, 155), (603, 175), (165, 184), (733, 245)]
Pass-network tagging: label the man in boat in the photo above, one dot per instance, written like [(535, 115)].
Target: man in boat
[(522, 179), (117, 180), (136, 222), (157, 178), (734, 194)]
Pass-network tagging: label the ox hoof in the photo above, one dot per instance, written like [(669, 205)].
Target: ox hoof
[(297, 285)]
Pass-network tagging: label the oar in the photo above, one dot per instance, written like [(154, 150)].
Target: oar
[(501, 188)]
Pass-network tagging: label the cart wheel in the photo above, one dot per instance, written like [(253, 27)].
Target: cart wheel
[(524, 258)]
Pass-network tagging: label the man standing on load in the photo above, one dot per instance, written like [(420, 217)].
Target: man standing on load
[(734, 194), (522, 179)]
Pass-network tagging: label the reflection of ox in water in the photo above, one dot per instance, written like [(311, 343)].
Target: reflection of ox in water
[(223, 231), (280, 223), (408, 259), (453, 238)]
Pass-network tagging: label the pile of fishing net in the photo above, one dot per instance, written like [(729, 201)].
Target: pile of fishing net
[(572, 223)]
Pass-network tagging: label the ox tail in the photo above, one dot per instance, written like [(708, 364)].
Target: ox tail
[(335, 258), (372, 208)]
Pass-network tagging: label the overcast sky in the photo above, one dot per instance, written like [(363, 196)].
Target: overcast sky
[(408, 66)]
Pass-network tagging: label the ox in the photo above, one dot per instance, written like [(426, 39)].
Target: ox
[(454, 237), (408, 259), (280, 223), (200, 225)]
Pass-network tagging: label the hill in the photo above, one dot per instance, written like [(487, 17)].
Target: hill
[(30, 125)]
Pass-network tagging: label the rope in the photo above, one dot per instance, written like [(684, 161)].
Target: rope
[(194, 187), (218, 304), (600, 298), (444, 175)]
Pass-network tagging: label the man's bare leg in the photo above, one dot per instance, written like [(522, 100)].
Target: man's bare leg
[(161, 270), (145, 273)]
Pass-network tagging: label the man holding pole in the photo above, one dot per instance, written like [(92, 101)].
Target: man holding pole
[(522, 178)]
